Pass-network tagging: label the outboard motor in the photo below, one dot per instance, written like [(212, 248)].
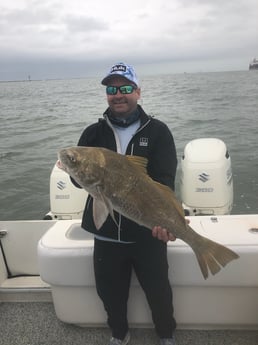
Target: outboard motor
[(66, 200), (206, 182)]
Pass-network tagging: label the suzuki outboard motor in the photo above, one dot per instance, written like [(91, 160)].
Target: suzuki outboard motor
[(206, 182), (66, 200)]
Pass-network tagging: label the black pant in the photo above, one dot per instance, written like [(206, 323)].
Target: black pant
[(113, 263)]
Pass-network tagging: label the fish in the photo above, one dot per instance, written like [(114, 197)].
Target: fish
[(120, 183)]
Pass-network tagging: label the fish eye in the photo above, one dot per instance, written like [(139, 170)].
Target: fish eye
[(72, 158)]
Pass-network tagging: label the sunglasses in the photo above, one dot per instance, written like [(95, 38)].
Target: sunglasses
[(124, 89)]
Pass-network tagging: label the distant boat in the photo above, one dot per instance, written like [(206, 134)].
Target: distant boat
[(253, 64)]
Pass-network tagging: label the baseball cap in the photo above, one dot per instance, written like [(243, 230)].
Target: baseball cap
[(123, 70)]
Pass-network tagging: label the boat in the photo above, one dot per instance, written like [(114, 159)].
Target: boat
[(253, 64), (47, 288)]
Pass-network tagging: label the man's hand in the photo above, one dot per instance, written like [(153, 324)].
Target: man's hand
[(162, 234)]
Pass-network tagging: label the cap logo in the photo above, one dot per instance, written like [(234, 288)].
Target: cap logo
[(118, 68), (123, 70)]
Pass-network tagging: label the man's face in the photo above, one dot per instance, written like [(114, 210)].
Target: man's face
[(120, 104)]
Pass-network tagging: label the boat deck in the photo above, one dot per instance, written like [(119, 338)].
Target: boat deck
[(35, 323)]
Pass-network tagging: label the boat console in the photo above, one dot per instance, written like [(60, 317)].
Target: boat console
[(226, 300)]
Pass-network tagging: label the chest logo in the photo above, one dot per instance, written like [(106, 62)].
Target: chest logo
[(143, 141)]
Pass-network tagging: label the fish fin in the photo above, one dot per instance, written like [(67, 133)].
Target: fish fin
[(202, 264), (212, 256), (140, 162), (101, 209), (100, 213)]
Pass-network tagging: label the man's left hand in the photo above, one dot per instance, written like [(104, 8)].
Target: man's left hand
[(162, 234)]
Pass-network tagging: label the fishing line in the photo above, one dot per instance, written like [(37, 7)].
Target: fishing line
[(9, 274)]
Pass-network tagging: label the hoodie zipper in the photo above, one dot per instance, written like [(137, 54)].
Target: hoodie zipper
[(119, 150), (118, 145)]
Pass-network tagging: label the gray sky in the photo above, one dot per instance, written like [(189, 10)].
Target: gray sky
[(80, 38)]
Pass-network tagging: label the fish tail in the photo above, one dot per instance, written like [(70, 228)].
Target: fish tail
[(212, 256)]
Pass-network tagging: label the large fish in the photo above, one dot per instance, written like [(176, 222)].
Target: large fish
[(118, 182)]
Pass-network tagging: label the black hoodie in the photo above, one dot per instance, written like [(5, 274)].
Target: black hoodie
[(154, 141)]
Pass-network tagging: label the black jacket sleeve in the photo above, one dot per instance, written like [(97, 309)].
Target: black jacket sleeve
[(163, 158)]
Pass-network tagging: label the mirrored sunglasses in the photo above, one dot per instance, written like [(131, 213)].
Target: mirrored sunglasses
[(124, 89)]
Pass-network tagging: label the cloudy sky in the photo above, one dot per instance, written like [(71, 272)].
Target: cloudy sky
[(80, 38)]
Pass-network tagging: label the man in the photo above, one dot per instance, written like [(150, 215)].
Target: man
[(118, 249)]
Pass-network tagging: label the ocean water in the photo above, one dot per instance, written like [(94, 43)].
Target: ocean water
[(40, 117)]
